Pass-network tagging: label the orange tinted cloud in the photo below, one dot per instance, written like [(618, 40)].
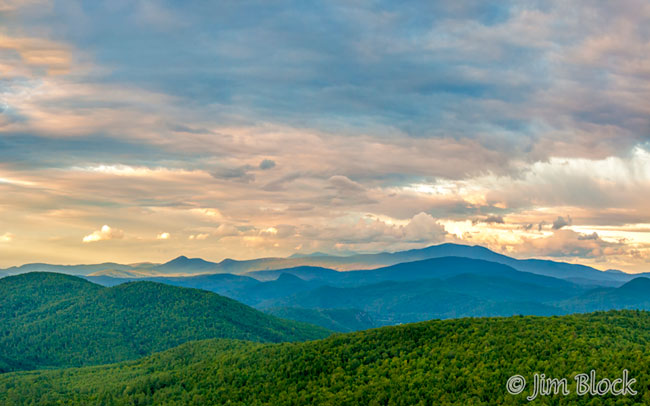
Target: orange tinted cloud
[(34, 55)]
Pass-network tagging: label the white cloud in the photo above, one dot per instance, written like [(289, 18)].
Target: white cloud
[(568, 243), (209, 212), (226, 230), (423, 227), (269, 231), (16, 182), (163, 236), (132, 171), (105, 233), (6, 237)]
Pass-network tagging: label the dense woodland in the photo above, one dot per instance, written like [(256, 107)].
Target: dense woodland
[(341, 320), (463, 361), (55, 320)]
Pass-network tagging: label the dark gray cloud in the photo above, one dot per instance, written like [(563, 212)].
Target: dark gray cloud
[(267, 164), (523, 78), (181, 128), (592, 236), (561, 222), (492, 219), (238, 174)]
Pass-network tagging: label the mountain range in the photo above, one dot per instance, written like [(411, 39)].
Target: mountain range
[(444, 287), (184, 266), (442, 281)]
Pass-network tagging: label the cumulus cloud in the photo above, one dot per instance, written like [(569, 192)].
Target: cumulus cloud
[(225, 230), (424, 228), (221, 231), (421, 228), (279, 231), (210, 213), (103, 234), (568, 243)]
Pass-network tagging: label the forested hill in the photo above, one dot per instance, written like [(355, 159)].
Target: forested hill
[(461, 361), (54, 320)]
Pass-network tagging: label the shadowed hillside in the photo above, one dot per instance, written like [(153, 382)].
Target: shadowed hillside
[(52, 320)]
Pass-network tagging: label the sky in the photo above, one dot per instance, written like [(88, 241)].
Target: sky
[(141, 130)]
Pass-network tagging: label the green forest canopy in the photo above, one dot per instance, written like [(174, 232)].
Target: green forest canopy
[(55, 320), (462, 361)]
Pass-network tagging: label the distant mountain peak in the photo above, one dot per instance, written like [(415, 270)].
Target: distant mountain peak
[(183, 264), (287, 277), (640, 283), (180, 258)]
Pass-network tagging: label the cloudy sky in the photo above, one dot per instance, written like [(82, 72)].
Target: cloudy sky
[(141, 130)]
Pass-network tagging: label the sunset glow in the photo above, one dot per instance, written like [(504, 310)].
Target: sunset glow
[(524, 129)]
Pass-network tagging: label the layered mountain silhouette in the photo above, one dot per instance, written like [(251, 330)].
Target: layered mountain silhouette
[(435, 288), (443, 281), (183, 266)]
